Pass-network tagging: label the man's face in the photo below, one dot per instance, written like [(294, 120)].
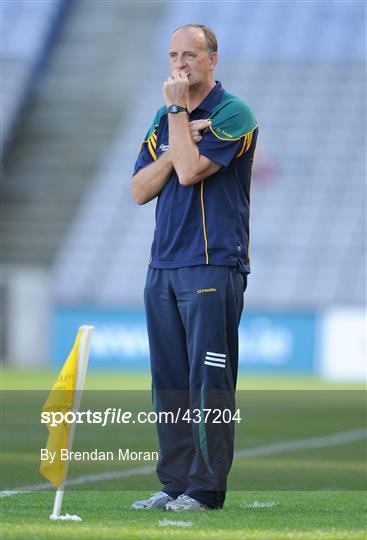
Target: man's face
[(187, 52)]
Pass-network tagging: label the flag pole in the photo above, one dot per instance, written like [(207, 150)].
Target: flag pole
[(83, 357)]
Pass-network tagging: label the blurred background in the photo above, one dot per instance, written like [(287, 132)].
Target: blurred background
[(81, 82)]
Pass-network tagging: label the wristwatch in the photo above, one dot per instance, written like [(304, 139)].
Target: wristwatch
[(176, 109)]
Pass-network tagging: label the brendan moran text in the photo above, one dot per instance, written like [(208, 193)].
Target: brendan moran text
[(122, 454)]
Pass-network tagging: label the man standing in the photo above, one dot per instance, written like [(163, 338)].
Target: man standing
[(197, 158)]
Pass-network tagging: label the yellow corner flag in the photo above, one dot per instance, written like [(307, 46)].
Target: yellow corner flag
[(61, 399)]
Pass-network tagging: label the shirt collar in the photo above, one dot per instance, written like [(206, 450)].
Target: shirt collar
[(212, 99)]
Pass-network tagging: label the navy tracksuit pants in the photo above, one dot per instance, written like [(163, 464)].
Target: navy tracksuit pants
[(193, 315)]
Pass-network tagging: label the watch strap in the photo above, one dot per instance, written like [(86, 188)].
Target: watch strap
[(176, 109)]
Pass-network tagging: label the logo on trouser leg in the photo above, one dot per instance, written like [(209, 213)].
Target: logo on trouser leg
[(211, 289), (215, 359)]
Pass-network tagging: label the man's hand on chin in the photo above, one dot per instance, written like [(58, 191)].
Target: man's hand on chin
[(175, 89)]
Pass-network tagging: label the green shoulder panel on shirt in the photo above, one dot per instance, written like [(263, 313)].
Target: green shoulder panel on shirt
[(156, 120), (232, 118)]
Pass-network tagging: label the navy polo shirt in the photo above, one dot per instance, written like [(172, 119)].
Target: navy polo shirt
[(208, 222)]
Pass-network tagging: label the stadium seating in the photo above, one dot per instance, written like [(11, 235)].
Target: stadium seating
[(27, 28), (65, 134), (300, 67)]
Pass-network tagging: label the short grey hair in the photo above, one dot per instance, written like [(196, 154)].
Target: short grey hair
[(210, 37)]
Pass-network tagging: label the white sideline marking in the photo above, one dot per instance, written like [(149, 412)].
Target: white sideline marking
[(258, 504), (276, 448), (303, 444), (81, 480), (169, 523)]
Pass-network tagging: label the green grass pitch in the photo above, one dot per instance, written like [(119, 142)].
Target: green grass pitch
[(307, 493)]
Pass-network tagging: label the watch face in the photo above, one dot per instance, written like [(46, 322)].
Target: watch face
[(176, 109)]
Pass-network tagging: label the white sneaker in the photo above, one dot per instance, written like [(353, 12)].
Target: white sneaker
[(157, 500), (184, 502)]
